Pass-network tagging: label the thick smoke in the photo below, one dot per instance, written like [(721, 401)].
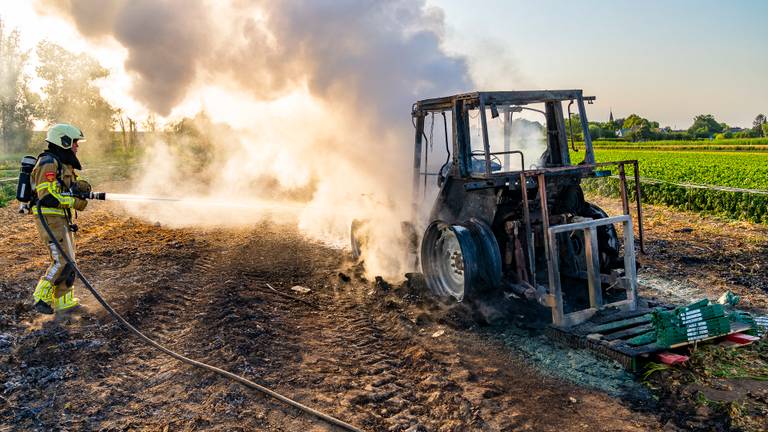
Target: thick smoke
[(165, 40), (327, 87)]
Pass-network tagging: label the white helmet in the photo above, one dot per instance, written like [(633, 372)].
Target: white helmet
[(63, 135)]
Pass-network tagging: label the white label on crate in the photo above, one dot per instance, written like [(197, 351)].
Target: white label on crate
[(696, 331)]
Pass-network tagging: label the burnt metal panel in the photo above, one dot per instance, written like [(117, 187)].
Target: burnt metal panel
[(486, 144), (562, 140), (454, 204), (462, 148), (530, 96), (554, 153), (520, 97)]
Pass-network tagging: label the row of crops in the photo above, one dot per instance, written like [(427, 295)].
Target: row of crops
[(696, 180), (674, 143), (735, 144), (734, 169)]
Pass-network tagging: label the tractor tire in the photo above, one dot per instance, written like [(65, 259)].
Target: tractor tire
[(460, 260)]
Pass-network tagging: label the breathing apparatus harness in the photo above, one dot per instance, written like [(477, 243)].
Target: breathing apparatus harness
[(26, 195), (244, 381)]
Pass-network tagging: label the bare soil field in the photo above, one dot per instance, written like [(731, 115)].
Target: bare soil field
[(378, 355)]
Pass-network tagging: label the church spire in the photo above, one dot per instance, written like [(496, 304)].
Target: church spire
[(610, 116)]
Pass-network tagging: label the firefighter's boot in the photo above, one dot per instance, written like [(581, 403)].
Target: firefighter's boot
[(43, 296), (67, 301)]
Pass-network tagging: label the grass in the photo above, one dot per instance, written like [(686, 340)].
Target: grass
[(7, 193), (684, 388), (9, 168), (712, 361), (9, 164)]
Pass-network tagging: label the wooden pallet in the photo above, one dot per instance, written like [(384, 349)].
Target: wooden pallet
[(608, 331)]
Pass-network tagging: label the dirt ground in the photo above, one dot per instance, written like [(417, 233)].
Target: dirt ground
[(379, 356)]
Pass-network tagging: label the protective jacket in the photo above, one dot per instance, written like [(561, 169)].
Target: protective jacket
[(51, 180)]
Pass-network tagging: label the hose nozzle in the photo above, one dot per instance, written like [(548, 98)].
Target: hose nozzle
[(89, 195)]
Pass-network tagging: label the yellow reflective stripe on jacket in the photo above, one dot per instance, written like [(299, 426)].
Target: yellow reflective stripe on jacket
[(53, 189), (50, 211), (43, 185)]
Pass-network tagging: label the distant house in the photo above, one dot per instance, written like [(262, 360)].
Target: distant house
[(623, 133), (733, 129)]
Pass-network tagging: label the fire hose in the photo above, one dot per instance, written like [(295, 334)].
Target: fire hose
[(244, 381)]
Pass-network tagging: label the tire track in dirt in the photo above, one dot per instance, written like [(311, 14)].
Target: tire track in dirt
[(137, 378), (366, 354), (173, 314), (366, 359), (208, 315)]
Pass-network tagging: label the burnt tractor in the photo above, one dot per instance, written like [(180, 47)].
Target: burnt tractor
[(498, 207), (507, 206)]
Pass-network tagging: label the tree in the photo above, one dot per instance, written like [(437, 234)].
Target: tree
[(596, 131), (71, 94), (18, 105), (639, 128), (150, 124), (765, 130), (574, 124), (705, 126), (632, 121), (616, 124), (192, 138), (758, 124)]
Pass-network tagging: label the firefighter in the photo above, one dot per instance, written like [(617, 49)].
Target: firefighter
[(55, 182)]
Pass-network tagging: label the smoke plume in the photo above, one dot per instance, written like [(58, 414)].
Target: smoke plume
[(316, 96)]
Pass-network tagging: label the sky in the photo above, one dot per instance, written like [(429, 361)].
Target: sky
[(665, 60)]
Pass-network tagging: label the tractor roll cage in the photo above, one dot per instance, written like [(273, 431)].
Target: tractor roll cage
[(461, 153), (459, 105)]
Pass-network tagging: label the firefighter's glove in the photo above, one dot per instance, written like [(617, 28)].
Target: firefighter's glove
[(81, 188), (80, 204)]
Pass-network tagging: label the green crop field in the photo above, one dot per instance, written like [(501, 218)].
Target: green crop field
[(735, 144), (711, 171), (691, 143), (746, 170)]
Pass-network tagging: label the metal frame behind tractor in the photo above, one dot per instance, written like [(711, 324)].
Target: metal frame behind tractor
[(527, 230)]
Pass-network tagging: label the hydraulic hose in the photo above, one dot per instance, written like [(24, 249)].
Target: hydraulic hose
[(244, 381)]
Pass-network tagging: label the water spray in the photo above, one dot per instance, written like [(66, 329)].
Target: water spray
[(264, 205)]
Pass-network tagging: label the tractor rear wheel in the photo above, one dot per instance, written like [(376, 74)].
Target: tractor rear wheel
[(461, 259)]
